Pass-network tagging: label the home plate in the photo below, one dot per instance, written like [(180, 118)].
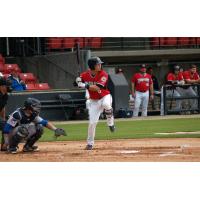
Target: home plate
[(129, 151), (168, 154)]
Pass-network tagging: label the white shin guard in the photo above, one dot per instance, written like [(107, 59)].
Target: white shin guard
[(109, 116)]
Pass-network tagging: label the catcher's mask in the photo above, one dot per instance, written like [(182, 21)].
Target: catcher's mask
[(33, 104)]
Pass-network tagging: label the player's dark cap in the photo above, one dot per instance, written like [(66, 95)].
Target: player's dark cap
[(94, 61)]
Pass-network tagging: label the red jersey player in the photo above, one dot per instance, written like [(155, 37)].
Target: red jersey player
[(95, 81), (191, 76), (141, 84)]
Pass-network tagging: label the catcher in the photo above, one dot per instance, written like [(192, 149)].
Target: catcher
[(25, 124)]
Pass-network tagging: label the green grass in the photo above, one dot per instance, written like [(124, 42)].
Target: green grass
[(130, 129)]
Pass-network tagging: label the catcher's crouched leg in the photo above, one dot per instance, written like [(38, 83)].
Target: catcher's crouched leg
[(21, 133), (29, 145)]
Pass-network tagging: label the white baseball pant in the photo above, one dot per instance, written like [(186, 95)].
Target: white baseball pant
[(141, 98), (190, 92), (96, 107)]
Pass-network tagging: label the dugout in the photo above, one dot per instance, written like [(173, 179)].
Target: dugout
[(56, 104)]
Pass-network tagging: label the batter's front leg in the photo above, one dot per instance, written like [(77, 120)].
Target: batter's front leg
[(94, 113), (91, 133)]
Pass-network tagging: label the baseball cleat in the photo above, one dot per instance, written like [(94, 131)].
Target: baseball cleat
[(30, 149), (112, 128), (88, 147), (12, 150)]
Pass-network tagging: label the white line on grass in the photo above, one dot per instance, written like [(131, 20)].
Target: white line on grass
[(178, 133)]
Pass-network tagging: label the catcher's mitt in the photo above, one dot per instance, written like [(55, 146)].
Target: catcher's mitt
[(59, 132)]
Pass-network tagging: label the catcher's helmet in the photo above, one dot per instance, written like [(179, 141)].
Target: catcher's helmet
[(33, 104), (94, 61)]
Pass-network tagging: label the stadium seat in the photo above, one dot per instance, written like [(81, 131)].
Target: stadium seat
[(68, 43), (10, 67), (42, 86), (96, 42), (28, 77), (87, 41), (162, 41), (80, 41), (198, 40), (192, 40), (155, 42), (54, 43), (171, 41), (30, 86), (6, 75), (183, 41)]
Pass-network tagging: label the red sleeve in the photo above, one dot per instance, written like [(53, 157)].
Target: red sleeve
[(151, 81), (133, 80), (196, 76), (170, 77), (186, 75), (103, 78), (180, 76), (83, 76)]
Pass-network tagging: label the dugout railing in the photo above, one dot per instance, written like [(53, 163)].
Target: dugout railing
[(169, 101)]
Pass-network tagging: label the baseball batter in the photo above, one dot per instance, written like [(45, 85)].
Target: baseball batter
[(95, 81), (141, 84)]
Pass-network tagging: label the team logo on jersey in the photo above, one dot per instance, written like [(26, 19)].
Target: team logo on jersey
[(103, 79)]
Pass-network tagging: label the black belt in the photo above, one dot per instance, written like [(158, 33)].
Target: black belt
[(142, 91)]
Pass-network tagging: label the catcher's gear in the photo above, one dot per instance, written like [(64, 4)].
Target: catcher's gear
[(33, 104), (14, 141), (35, 137), (94, 61), (21, 134), (22, 131), (59, 132)]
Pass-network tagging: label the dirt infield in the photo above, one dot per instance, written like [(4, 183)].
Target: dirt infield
[(179, 149)]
